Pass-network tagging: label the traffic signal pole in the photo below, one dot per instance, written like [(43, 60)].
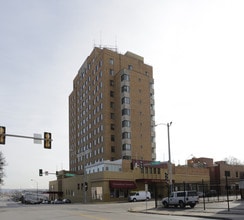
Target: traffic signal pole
[(47, 137)]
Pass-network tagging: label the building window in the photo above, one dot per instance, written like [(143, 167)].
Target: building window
[(112, 105), (125, 123), (125, 77), (126, 147), (112, 138), (126, 135), (112, 116), (111, 94), (125, 111), (130, 67), (111, 61), (125, 88), (111, 83), (100, 63), (112, 149), (125, 100), (112, 126), (126, 157), (111, 72)]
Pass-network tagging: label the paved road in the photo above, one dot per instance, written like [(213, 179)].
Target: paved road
[(110, 211), (10, 211)]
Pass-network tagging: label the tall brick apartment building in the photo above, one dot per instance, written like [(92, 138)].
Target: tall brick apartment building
[(111, 110), (111, 133)]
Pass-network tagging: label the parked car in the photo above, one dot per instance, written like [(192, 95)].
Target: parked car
[(58, 201), (66, 201), (46, 202), (211, 193), (181, 198), (200, 194), (138, 196)]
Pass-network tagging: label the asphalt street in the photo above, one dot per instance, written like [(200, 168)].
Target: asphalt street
[(107, 211)]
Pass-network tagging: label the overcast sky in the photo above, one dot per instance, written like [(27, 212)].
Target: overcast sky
[(196, 49)]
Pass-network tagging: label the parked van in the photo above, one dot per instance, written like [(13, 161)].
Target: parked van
[(139, 196), (181, 198), (33, 198)]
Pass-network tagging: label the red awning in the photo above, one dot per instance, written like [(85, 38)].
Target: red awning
[(120, 184), (54, 192)]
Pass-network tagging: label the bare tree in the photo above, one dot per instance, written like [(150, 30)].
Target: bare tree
[(232, 161), (2, 164)]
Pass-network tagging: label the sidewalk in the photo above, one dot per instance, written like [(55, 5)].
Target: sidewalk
[(217, 210)]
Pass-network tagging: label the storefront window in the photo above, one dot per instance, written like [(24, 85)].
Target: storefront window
[(97, 193), (118, 193)]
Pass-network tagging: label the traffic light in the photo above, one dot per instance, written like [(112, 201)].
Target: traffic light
[(47, 140), (2, 134), (40, 172), (86, 186), (141, 164), (166, 176)]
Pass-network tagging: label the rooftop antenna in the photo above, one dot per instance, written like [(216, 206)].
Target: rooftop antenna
[(100, 39), (116, 43)]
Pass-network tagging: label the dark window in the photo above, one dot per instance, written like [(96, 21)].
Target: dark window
[(112, 105), (125, 77), (125, 100), (125, 111), (126, 147), (112, 126), (111, 72), (126, 135), (112, 138), (125, 123), (112, 149), (111, 61), (181, 194), (125, 88)]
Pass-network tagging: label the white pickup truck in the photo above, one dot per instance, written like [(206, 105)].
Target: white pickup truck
[(181, 198)]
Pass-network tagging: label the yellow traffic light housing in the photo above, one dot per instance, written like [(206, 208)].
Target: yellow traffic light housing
[(2, 134), (47, 140)]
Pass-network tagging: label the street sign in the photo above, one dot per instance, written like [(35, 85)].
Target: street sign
[(69, 174), (37, 138), (155, 163)]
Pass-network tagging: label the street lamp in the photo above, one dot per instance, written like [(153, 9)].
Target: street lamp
[(169, 162), (36, 188)]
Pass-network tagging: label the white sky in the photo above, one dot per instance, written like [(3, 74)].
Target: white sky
[(196, 49)]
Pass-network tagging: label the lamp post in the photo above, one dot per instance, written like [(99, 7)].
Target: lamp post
[(169, 152), (170, 164), (36, 188)]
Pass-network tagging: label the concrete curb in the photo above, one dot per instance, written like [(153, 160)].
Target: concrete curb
[(198, 215)]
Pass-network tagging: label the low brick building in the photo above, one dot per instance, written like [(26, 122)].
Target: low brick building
[(116, 179)]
